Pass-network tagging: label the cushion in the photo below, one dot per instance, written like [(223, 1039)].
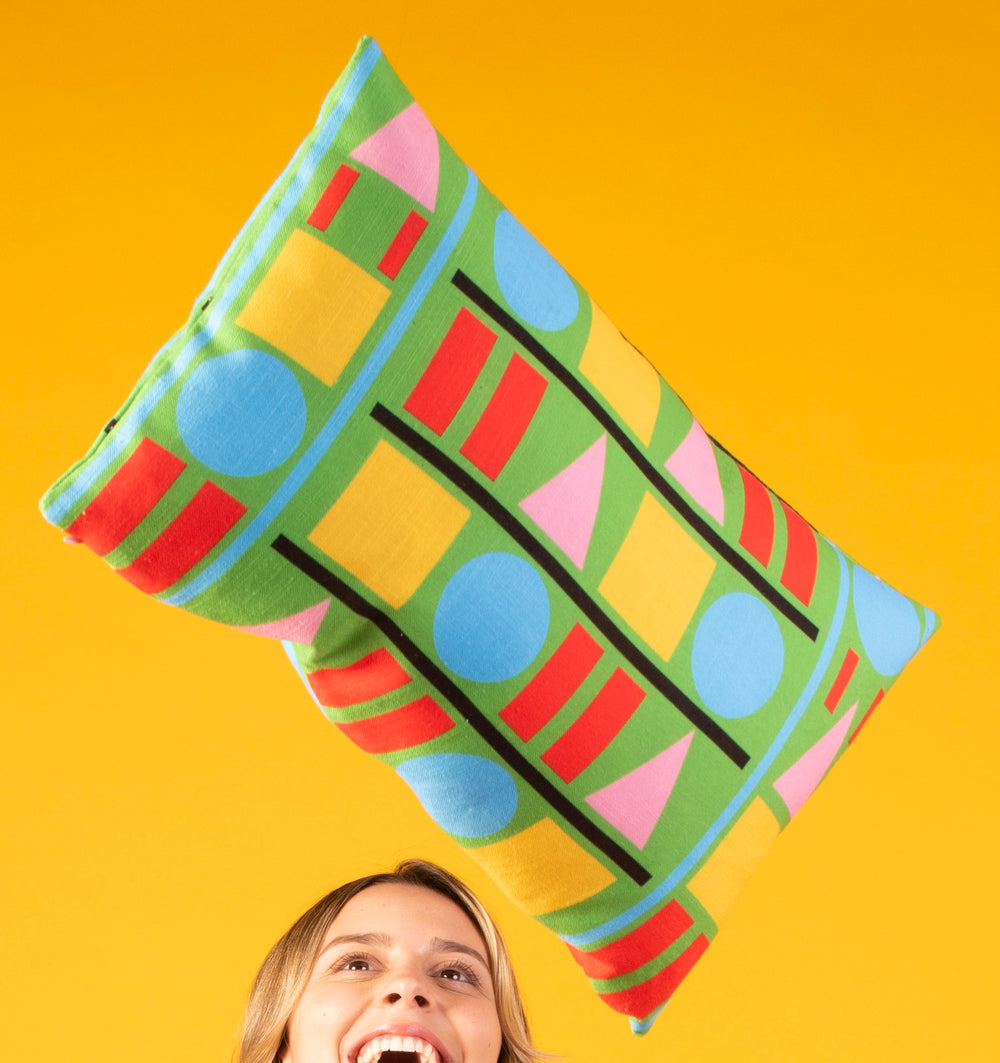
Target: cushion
[(501, 552)]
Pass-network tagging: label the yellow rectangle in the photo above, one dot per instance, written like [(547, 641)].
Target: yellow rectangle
[(658, 577), (543, 869), (315, 305), (722, 877), (629, 383), (391, 525)]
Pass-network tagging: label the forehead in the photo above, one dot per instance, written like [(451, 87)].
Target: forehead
[(404, 911)]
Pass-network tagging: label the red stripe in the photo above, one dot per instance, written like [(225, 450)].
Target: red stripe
[(801, 557), (451, 373), (367, 678), (123, 502), (637, 947), (506, 417), (643, 999), (596, 726), (403, 243), (757, 533), (333, 197), (843, 678), (409, 725), (553, 685), (864, 719), (186, 540)]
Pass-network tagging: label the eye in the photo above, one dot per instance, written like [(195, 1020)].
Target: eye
[(354, 961), (459, 972)]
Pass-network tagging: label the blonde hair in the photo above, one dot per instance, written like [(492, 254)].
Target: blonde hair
[(285, 971)]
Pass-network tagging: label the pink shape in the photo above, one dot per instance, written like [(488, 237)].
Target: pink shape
[(694, 467), (299, 627), (565, 508), (799, 781), (405, 152), (634, 803)]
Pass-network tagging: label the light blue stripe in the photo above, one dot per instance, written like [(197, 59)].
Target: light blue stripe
[(127, 428), (286, 645), (746, 790), (641, 1026), (345, 408)]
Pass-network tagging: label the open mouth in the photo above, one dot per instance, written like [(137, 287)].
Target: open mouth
[(395, 1049)]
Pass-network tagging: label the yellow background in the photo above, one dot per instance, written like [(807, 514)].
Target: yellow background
[(791, 208)]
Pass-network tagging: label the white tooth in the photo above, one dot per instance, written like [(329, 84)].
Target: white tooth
[(395, 1044), (409, 1045)]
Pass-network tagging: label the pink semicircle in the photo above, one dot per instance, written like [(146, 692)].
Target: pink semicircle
[(694, 467), (405, 151), (634, 803), (299, 627), (565, 507), (796, 785)]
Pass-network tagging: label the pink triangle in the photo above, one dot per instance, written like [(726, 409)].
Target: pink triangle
[(694, 467), (634, 803), (299, 627), (565, 507), (405, 151), (799, 781)]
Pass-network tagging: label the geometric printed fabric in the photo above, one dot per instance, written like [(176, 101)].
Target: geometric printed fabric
[(609, 661)]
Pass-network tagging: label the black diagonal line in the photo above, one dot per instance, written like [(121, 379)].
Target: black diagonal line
[(472, 715), (662, 486), (517, 531)]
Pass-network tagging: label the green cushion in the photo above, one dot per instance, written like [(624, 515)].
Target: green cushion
[(501, 552)]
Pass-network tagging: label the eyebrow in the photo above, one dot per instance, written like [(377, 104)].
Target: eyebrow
[(356, 939), (446, 945), (384, 941)]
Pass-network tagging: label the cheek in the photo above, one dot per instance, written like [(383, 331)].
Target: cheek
[(317, 1024), (485, 1037)]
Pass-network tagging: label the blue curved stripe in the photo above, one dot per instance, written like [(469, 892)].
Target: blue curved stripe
[(129, 425), (345, 408), (729, 813)]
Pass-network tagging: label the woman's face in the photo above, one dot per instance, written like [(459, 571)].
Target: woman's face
[(401, 969)]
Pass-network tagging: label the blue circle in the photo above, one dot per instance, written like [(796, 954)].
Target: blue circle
[(887, 623), (492, 618), (533, 283), (738, 655), (241, 413), (466, 795)]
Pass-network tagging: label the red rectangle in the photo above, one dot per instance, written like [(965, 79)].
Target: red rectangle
[(333, 197), (373, 675), (553, 685), (843, 678), (801, 556), (192, 534), (506, 417), (640, 1001), (450, 374), (757, 533), (637, 947), (402, 244), (871, 708), (596, 726), (409, 725), (120, 506)]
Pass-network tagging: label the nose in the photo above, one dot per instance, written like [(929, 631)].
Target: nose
[(407, 989), (419, 999)]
